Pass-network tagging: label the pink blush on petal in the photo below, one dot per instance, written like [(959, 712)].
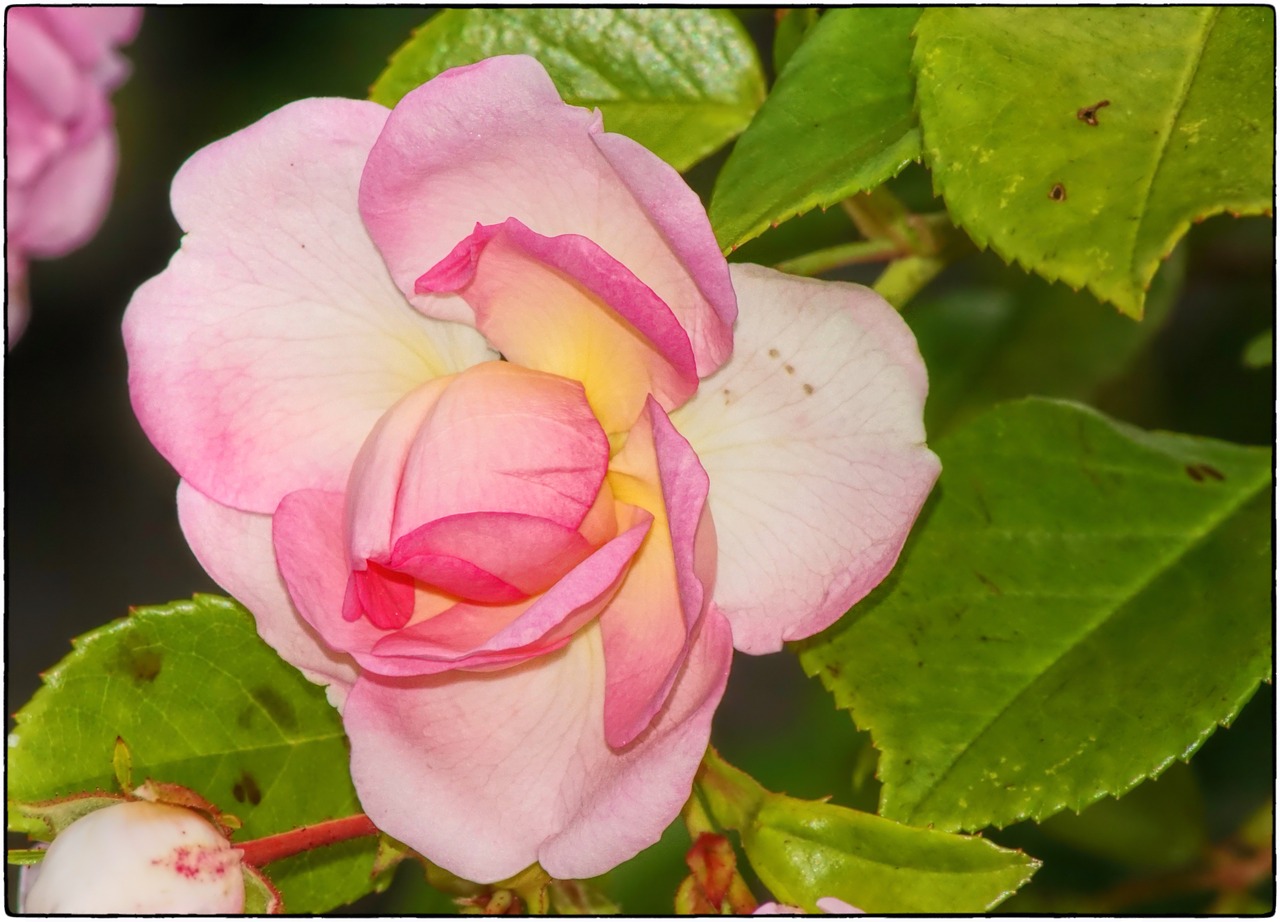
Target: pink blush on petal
[(380, 594)]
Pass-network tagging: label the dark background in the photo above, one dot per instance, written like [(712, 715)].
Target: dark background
[(90, 523)]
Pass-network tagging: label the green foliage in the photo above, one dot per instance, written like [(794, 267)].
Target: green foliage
[(994, 342), (838, 121), (804, 850), (201, 701), (794, 24), (1083, 142), (1082, 604), (682, 82)]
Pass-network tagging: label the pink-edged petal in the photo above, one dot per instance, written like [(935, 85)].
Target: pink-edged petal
[(486, 773), (374, 482), (564, 306), (813, 438), (306, 533), (490, 556), (380, 594), (493, 140), (479, 637), (681, 219), (227, 371), (503, 438), (234, 548), (647, 627)]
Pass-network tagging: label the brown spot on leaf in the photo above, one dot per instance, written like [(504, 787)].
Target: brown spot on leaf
[(1058, 193), (790, 369), (136, 660), (246, 790), (996, 590), (1089, 114), (774, 353), (276, 707), (1198, 472), (808, 388)]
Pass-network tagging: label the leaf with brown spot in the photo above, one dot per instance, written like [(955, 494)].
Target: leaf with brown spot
[(1188, 131), (272, 750)]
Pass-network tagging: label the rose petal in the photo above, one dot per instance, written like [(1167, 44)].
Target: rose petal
[(261, 358), (234, 548), (502, 438), (647, 628), (490, 556), (486, 773), (441, 634), (492, 141), (813, 438), (474, 636), (563, 305), (307, 537), (43, 65), (65, 206), (89, 33)]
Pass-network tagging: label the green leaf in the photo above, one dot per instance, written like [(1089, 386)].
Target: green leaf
[(1083, 142), (1082, 604), (803, 850), (682, 82), (838, 121), (793, 25), (201, 701), (1024, 337)]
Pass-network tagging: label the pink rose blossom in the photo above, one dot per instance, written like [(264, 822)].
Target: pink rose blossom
[(60, 139), (521, 580)]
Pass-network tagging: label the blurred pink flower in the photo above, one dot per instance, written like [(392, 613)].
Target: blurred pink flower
[(60, 140)]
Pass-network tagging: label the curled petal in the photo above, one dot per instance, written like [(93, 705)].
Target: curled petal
[(503, 438), (234, 548), (496, 438), (490, 556), (493, 141), (483, 636), (565, 306), (306, 533), (489, 772), (648, 626), (262, 356), (814, 442), (440, 633)]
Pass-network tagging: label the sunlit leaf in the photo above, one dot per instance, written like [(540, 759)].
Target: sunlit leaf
[(1082, 142), (682, 81)]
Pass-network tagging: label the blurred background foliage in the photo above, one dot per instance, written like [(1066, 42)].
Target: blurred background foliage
[(91, 526)]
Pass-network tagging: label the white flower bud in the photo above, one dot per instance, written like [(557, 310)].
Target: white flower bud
[(138, 857)]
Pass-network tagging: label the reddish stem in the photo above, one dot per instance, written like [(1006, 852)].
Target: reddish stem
[(258, 852)]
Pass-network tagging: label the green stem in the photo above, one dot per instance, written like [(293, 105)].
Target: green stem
[(845, 254), (903, 278), (258, 852), (729, 796)]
